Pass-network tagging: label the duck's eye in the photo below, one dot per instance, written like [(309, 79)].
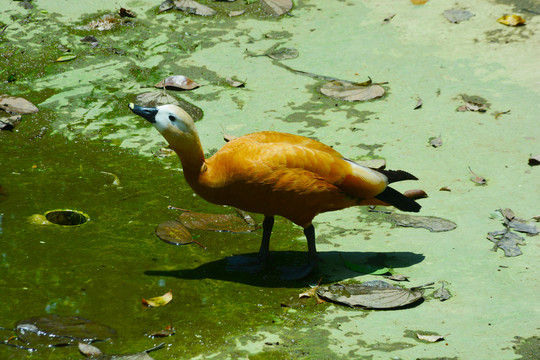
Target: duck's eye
[(172, 118)]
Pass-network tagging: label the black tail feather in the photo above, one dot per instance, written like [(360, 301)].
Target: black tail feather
[(397, 199), (396, 175)]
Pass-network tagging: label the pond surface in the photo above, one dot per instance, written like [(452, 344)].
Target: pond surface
[(86, 151)]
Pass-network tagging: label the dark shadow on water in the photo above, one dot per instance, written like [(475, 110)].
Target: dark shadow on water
[(331, 268)]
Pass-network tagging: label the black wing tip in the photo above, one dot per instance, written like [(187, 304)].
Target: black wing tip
[(397, 175)]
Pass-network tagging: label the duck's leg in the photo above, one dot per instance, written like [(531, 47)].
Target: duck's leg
[(295, 273), (250, 264)]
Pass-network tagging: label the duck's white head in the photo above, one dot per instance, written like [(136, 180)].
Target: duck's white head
[(167, 119)]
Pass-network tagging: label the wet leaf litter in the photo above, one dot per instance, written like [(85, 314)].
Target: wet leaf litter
[(507, 239)]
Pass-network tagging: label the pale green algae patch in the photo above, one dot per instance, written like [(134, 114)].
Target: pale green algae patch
[(103, 269)]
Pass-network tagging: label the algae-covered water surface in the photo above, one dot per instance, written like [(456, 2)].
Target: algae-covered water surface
[(81, 64)]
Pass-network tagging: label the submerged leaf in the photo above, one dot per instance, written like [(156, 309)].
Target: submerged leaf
[(512, 20), (215, 222), (344, 90), (17, 105), (168, 331), (277, 7), (374, 294), (173, 232), (56, 330), (432, 223), (176, 82), (158, 300), (193, 7)]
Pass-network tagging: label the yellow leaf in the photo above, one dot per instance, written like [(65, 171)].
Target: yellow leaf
[(512, 20), (419, 2), (66, 58), (158, 300)]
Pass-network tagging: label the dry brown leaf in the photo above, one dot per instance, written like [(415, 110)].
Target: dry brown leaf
[(477, 178), (512, 20), (430, 338), (415, 194), (445, 188), (17, 105), (176, 82), (158, 300), (193, 7), (348, 91), (277, 7)]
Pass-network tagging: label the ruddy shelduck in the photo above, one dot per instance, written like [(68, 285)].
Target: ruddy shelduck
[(273, 173)]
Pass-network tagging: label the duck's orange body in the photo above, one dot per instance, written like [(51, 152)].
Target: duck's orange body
[(274, 173), (292, 176)]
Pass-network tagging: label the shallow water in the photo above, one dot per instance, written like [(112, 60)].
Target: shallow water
[(63, 156)]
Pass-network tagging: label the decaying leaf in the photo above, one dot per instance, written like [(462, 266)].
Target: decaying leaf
[(165, 6), (507, 213), (193, 7), (445, 188), (17, 105), (415, 194), (107, 22), (344, 90), (9, 123), (436, 141), (173, 232), (457, 15), (177, 82), (215, 222), (167, 331), (473, 106), (512, 20), (277, 7), (56, 330), (89, 350), (397, 277), (534, 160), (374, 294), (126, 13), (235, 83), (283, 53), (430, 338), (522, 227), (508, 241), (432, 223), (419, 104), (155, 98), (442, 294), (158, 300), (475, 178)]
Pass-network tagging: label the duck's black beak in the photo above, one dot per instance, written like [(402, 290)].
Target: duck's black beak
[(146, 112)]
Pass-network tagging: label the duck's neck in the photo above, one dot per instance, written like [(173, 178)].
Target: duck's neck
[(190, 152)]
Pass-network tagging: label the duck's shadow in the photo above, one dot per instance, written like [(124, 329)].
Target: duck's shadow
[(331, 268)]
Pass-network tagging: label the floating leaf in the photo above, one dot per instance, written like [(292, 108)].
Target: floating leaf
[(168, 331), (17, 105), (158, 300), (473, 106), (236, 13), (66, 58), (155, 98), (277, 7), (374, 294), (126, 13), (176, 82), (442, 294), (166, 5), (457, 15), (89, 350), (445, 188), (215, 222), (283, 54), (235, 83), (344, 90), (193, 7), (512, 20), (56, 330), (507, 213), (398, 277), (419, 104), (534, 160), (436, 142), (419, 2), (173, 232), (432, 223), (477, 178), (522, 227), (430, 338), (387, 19), (508, 241)]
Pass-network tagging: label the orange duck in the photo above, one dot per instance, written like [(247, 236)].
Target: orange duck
[(273, 173)]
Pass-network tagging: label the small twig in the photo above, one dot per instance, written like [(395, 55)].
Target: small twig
[(157, 347), (422, 286)]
